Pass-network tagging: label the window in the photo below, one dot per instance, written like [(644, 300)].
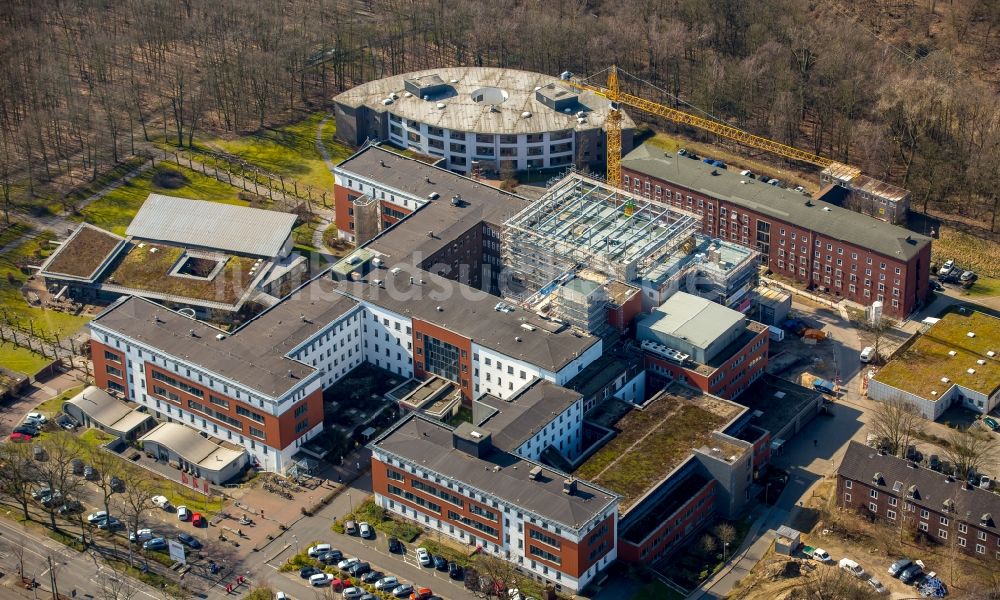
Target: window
[(218, 401), (257, 433), (544, 538), (178, 384), (943, 534), (891, 515), (112, 357), (981, 535), (980, 549), (244, 412), (414, 499), (924, 514), (301, 409), (873, 507), (962, 542), (944, 521), (113, 370), (923, 526), (848, 484), (474, 524), (847, 498), (873, 493), (535, 551), (893, 501), (963, 528)]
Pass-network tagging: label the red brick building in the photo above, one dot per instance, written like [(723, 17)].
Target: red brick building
[(902, 494), (834, 250)]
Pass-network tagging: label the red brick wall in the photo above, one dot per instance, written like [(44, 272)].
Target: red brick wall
[(342, 208), (733, 378), (913, 275), (660, 538), (101, 375), (279, 432)]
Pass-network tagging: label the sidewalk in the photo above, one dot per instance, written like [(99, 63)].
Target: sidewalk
[(752, 550)]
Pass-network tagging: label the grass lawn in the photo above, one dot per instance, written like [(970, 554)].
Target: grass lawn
[(303, 236), (985, 287), (115, 211), (970, 252), (21, 360), (147, 270), (657, 590), (289, 150), (94, 438), (379, 519), (11, 279), (53, 405)]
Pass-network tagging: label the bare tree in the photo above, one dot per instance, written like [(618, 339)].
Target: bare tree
[(115, 584), (497, 576), (108, 468), (20, 475), (56, 470), (877, 332), (834, 584), (969, 450), (137, 499), (893, 422)]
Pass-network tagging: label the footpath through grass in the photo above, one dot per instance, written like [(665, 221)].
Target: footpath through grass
[(115, 211), (53, 405), (289, 150)]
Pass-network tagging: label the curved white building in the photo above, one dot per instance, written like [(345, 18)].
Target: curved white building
[(488, 117)]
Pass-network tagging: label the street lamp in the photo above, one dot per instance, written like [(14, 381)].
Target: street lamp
[(296, 538), (350, 504), (725, 546)]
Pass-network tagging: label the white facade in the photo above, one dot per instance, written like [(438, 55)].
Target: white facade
[(269, 457), (513, 517), (334, 350), (933, 409), (388, 340), (496, 151), (564, 432), (379, 191)]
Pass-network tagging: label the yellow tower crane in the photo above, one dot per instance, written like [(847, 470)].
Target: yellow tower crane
[(613, 128)]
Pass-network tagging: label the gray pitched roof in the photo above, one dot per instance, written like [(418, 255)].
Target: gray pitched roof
[(502, 474), (238, 229), (790, 206), (861, 463)]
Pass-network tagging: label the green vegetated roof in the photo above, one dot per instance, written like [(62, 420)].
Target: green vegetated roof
[(919, 368), (144, 269), (653, 442)]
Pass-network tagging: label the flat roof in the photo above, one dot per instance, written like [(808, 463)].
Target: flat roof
[(654, 440), (254, 354), (513, 421), (514, 95), (194, 448), (946, 350), (502, 474), (238, 229), (470, 313), (790, 206), (777, 400), (152, 268), (83, 253), (598, 374), (480, 202), (692, 318)]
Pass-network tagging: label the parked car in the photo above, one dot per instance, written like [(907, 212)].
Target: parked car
[(365, 530), (161, 502), (455, 571), (353, 593), (395, 546), (320, 579), (25, 429), (20, 437), (774, 182), (876, 585), (421, 594), (424, 557), (985, 482), (307, 572), (94, 517), (197, 520), (911, 574), (41, 493), (947, 267), (350, 528), (141, 535), (359, 568), (347, 562), (402, 590), (89, 473), (934, 462), (330, 557), (867, 354), (183, 514), (851, 567), (440, 563), (70, 507), (372, 576), (52, 500), (156, 543), (109, 524), (387, 583), (318, 549), (937, 287), (189, 540), (820, 554), (36, 417), (968, 276), (991, 423)]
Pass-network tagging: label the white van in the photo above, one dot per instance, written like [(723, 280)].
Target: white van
[(867, 354), (852, 567)]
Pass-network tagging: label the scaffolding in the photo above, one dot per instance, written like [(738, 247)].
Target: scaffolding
[(582, 222)]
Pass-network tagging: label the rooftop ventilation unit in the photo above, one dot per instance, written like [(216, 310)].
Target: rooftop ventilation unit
[(971, 334), (440, 105), (433, 196), (945, 380), (387, 102), (952, 353), (971, 371), (527, 326), (407, 95), (535, 473), (990, 353), (396, 270), (662, 351), (440, 308), (981, 362), (826, 209), (220, 336), (526, 114)]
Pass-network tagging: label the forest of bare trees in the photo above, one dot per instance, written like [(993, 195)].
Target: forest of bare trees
[(904, 89)]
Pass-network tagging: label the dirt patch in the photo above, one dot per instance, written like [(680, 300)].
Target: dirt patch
[(169, 179)]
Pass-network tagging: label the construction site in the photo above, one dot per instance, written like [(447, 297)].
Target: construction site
[(586, 246)]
